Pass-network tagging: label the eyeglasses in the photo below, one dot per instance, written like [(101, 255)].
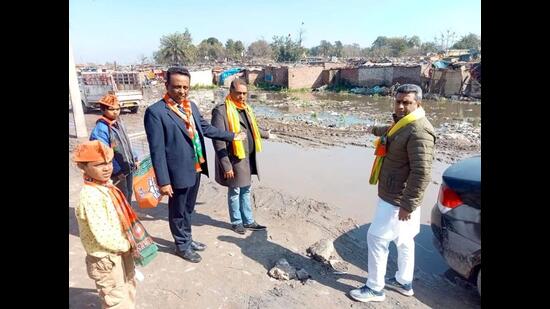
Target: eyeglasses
[(113, 109), (239, 93)]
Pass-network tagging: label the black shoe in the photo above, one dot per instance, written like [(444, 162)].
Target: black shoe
[(189, 255), (198, 246), (255, 226), (238, 228)]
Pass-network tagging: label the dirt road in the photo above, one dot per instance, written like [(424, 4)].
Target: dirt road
[(299, 211)]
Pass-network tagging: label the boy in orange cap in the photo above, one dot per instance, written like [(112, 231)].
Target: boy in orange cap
[(111, 131), (101, 216)]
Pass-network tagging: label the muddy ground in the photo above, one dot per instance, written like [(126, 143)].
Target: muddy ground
[(233, 273)]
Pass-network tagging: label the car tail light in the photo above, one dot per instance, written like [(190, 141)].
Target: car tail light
[(448, 199)]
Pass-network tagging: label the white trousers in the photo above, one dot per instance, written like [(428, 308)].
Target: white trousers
[(384, 228)]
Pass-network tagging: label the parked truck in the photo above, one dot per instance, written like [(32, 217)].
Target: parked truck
[(127, 86)]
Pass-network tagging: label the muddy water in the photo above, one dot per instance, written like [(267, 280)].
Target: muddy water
[(344, 109), (338, 176), (341, 109)]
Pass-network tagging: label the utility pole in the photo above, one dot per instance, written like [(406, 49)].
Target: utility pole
[(74, 92)]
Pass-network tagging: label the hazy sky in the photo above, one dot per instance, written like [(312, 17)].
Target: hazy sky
[(123, 30)]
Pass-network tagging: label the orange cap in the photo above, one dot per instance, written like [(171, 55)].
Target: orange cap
[(92, 151), (109, 100)]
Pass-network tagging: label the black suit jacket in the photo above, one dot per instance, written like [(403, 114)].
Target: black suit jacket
[(171, 147)]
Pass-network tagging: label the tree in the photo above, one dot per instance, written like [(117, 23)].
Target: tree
[(176, 48), (325, 48), (314, 51), (260, 49), (446, 39), (211, 49), (353, 50), (398, 46), (470, 41), (213, 41), (394, 46), (365, 52), (380, 52), (284, 49), (143, 59), (239, 48), (338, 49), (234, 50), (428, 47), (380, 42), (414, 42), (229, 44)]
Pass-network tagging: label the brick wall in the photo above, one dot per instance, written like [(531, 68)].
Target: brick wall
[(276, 76), (349, 76), (407, 75), (375, 76), (305, 77)]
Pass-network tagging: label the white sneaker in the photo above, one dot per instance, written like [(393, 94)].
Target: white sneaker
[(366, 294)]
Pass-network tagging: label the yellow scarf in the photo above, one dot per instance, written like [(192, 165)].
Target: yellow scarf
[(380, 143), (235, 126)]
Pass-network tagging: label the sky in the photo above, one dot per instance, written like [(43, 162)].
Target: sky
[(124, 30)]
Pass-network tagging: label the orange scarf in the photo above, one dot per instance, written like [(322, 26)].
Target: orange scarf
[(142, 246), (123, 208), (108, 121), (190, 125)]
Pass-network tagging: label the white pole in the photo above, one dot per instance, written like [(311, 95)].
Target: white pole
[(74, 91)]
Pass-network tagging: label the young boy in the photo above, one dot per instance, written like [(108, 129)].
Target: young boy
[(110, 131), (101, 210)]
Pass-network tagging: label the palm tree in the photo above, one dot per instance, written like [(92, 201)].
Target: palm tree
[(176, 48)]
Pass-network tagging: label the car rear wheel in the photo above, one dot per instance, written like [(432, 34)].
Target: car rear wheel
[(479, 282)]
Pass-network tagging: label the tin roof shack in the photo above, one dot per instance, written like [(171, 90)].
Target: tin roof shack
[(254, 75), (448, 79), (473, 87), (201, 78), (330, 76), (276, 75)]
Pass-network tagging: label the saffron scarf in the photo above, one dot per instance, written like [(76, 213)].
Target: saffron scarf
[(142, 246), (187, 117), (108, 121), (232, 107)]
